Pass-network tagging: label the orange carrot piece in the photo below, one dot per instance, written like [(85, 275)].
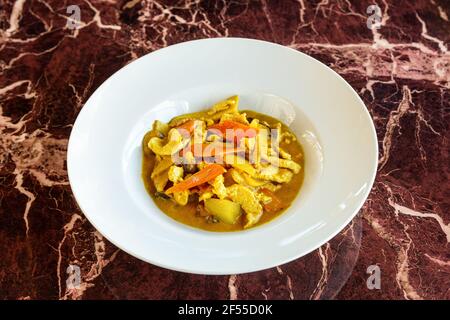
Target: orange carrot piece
[(186, 128), (208, 173), (274, 205)]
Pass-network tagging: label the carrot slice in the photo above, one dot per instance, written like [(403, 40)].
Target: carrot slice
[(275, 204), (186, 128), (208, 173), (241, 130)]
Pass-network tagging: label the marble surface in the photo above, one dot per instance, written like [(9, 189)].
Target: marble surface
[(401, 70)]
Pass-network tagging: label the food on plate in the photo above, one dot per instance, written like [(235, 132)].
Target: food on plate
[(222, 169)]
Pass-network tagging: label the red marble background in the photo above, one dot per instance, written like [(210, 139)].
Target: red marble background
[(402, 72)]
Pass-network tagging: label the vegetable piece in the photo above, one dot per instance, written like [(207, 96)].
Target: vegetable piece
[(275, 204), (209, 172), (186, 128), (237, 130), (225, 210)]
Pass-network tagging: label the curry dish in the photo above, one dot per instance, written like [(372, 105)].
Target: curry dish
[(222, 169)]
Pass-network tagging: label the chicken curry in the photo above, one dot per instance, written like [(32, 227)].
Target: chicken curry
[(222, 169)]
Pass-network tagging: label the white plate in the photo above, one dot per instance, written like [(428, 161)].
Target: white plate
[(104, 155)]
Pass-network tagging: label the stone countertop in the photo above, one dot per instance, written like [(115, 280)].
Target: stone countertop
[(401, 70)]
